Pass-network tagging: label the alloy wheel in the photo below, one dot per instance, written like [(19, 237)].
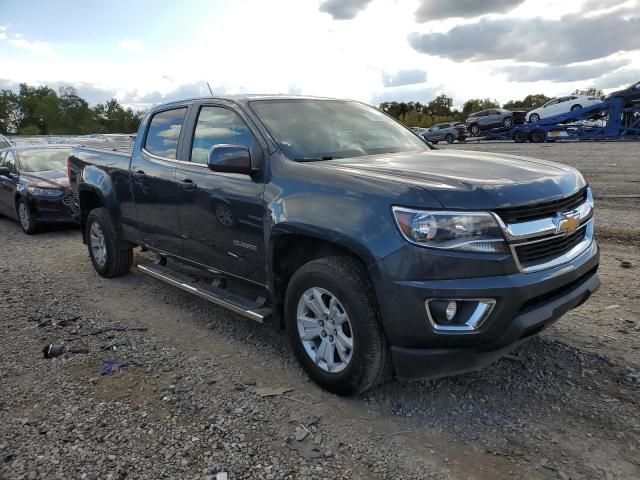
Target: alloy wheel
[(25, 216), (97, 243), (325, 330)]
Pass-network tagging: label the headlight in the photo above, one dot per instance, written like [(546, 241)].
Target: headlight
[(461, 231), (44, 192)]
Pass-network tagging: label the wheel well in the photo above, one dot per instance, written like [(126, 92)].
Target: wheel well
[(291, 252), (88, 201)]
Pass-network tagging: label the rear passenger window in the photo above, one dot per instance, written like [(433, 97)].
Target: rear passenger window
[(217, 125), (164, 132)]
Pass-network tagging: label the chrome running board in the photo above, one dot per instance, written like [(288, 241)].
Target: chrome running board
[(216, 295)]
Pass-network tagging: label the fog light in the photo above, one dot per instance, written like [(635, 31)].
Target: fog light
[(452, 309), (459, 315)]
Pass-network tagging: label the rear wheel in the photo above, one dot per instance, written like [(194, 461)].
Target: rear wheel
[(507, 122), (576, 107), (520, 137), (109, 257), (450, 138), (435, 142), (333, 325), (25, 217), (537, 136)]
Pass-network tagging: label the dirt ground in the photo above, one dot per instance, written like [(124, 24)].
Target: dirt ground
[(189, 405)]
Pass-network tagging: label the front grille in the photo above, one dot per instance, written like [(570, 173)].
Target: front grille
[(71, 201), (531, 254), (542, 210)]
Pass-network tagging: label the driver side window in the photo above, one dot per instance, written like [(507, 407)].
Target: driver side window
[(218, 125)]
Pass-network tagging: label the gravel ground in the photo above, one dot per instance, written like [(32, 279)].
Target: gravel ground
[(206, 393)]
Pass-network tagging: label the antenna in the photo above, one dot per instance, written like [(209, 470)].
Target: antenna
[(210, 91)]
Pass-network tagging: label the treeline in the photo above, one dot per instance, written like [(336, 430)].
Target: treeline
[(43, 111), (440, 109)]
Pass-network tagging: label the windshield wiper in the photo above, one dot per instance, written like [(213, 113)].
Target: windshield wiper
[(316, 159)]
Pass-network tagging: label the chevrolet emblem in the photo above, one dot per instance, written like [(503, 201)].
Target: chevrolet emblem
[(566, 222)]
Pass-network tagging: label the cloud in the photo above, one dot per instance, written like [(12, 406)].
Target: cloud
[(439, 9), (138, 100), (344, 9), (404, 77), (561, 73), (19, 42), (411, 93), (131, 46), (569, 39), (619, 79)]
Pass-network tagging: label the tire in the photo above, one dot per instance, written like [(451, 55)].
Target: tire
[(474, 130), (435, 142), (519, 136), (450, 138), (507, 122), (25, 217), (576, 107), (108, 256), (537, 136), (534, 117), (367, 363)]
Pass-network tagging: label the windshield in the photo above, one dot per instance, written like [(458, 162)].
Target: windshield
[(325, 129), (41, 160)]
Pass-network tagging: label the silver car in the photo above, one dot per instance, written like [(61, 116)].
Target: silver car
[(448, 132), (488, 119)]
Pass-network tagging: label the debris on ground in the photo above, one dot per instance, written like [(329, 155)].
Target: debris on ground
[(112, 366), (272, 391), (52, 351)]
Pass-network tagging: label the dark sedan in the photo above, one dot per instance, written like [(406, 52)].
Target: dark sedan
[(630, 94), (34, 187)]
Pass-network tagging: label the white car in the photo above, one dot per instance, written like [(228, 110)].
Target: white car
[(561, 105)]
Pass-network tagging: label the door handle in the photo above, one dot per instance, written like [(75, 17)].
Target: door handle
[(189, 185), (139, 176)]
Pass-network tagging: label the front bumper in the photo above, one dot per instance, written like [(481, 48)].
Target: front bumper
[(51, 211), (526, 303)]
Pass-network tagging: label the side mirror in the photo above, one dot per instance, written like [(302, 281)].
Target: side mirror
[(230, 159), (5, 172)]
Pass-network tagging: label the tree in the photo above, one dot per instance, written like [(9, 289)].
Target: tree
[(529, 102), (38, 106), (441, 105), (592, 92), (477, 104), (8, 112)]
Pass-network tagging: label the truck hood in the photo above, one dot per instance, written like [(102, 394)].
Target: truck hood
[(469, 180)]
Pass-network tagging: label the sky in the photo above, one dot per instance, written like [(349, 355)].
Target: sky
[(145, 52)]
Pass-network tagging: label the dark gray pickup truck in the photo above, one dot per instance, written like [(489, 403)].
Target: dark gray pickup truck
[(378, 254)]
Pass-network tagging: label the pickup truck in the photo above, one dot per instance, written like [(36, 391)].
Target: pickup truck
[(379, 255)]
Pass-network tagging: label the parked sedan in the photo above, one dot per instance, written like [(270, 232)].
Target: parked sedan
[(630, 94), (34, 187), (448, 132), (562, 105)]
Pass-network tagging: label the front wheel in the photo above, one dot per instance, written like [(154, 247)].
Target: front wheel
[(25, 216), (534, 117), (475, 130), (109, 258), (576, 107), (450, 138), (333, 325)]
